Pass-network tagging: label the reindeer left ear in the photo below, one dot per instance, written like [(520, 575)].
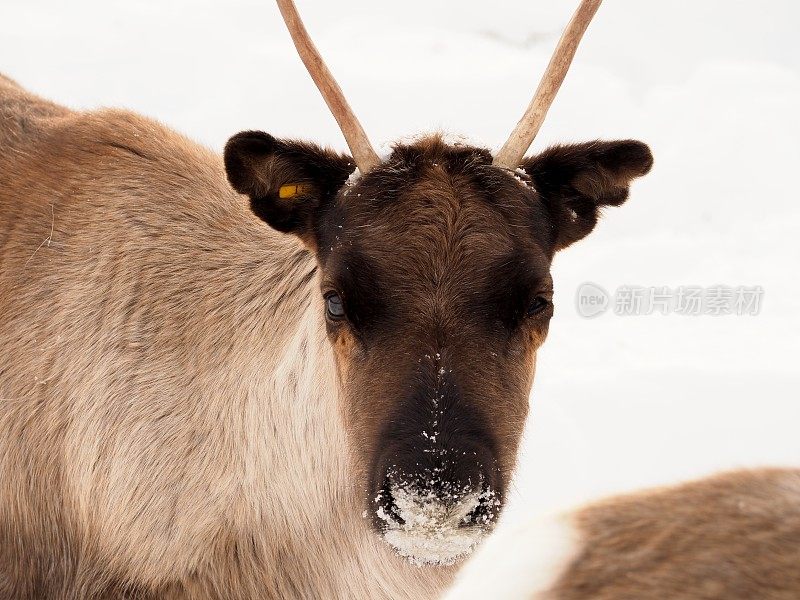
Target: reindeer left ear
[(287, 181), (576, 180)]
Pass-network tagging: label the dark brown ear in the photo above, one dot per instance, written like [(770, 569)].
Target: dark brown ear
[(287, 181), (575, 181)]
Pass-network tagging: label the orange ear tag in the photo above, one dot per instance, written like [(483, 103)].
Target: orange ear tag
[(292, 190)]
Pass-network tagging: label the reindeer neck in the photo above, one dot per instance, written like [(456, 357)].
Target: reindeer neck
[(321, 543)]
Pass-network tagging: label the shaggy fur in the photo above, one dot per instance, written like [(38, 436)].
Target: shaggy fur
[(166, 423), (177, 417)]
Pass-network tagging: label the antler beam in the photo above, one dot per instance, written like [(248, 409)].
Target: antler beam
[(510, 155), (363, 152)]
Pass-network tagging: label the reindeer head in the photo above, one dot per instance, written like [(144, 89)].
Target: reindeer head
[(436, 292)]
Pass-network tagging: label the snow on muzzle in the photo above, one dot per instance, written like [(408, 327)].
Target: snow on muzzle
[(431, 519)]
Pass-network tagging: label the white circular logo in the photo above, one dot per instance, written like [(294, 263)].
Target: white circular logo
[(591, 300)]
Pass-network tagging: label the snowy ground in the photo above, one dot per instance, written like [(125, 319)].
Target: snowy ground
[(713, 86)]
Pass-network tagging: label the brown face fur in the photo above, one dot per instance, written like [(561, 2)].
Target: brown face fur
[(441, 262)]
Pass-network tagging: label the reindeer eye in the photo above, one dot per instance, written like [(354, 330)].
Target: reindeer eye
[(538, 305), (334, 307)]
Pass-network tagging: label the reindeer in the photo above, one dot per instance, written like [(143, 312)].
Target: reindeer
[(290, 373), (734, 536)]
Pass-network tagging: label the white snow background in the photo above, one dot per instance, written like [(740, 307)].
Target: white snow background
[(712, 85)]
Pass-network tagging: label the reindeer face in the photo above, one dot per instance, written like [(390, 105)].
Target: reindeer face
[(436, 294), (436, 291)]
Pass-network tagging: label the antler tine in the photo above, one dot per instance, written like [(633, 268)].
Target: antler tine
[(510, 155), (363, 152)]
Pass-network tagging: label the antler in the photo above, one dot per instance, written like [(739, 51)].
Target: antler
[(510, 155), (363, 152)]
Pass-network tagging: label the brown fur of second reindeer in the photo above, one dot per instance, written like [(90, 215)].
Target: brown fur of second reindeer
[(734, 536), (730, 536)]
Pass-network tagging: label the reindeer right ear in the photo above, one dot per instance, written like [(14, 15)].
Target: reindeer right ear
[(575, 181), (287, 181)]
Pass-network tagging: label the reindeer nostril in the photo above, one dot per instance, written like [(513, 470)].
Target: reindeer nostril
[(387, 508), (484, 512)]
